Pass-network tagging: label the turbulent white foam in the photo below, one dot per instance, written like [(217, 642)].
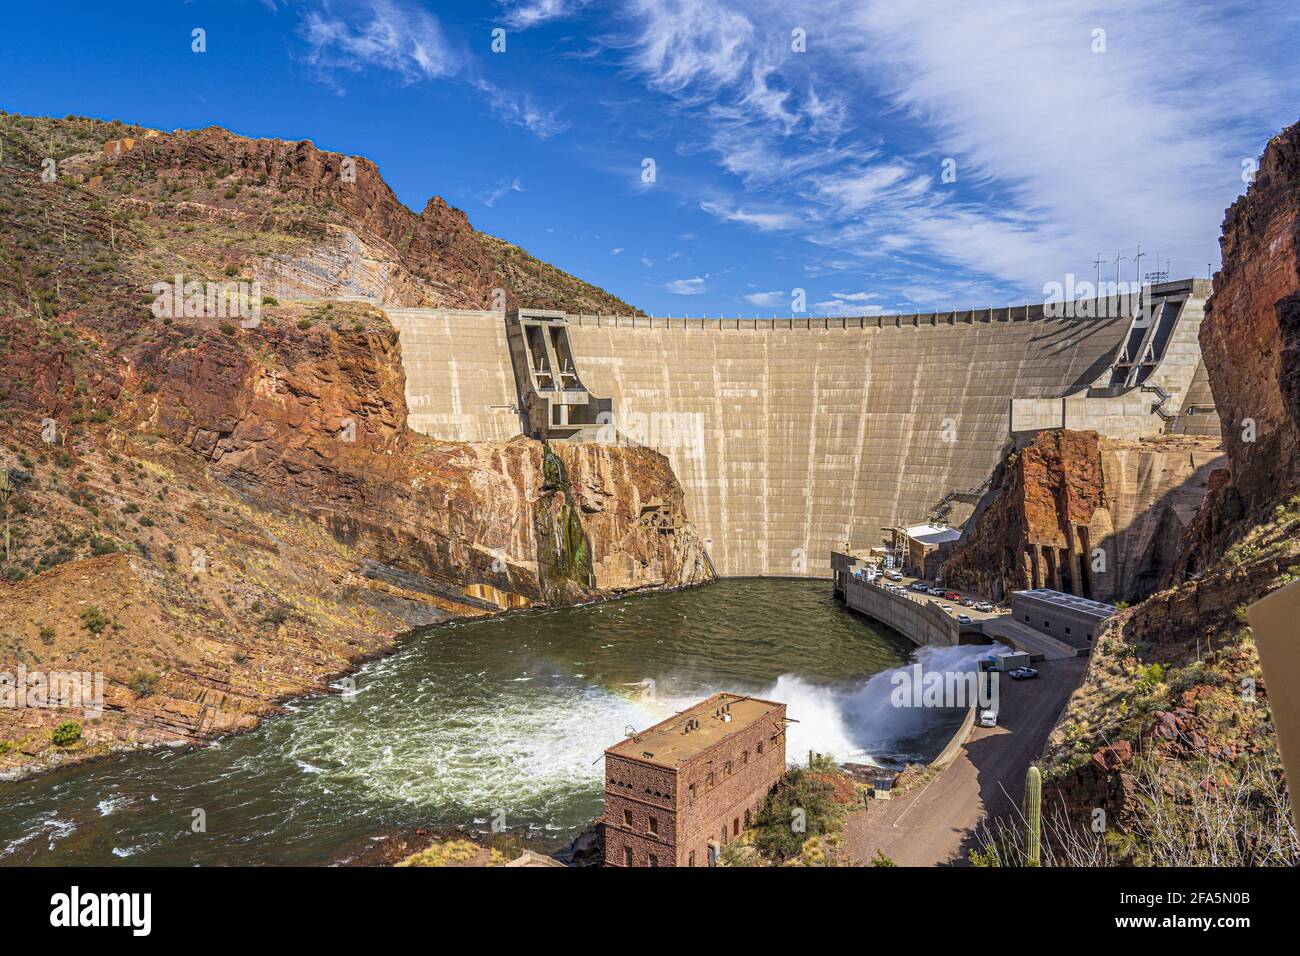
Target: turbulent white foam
[(529, 746), (859, 723), (524, 749)]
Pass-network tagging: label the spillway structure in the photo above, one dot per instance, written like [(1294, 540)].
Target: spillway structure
[(795, 437)]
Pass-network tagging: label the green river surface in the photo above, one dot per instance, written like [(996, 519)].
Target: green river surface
[(470, 719)]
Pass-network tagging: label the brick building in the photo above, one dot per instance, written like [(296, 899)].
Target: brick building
[(675, 793)]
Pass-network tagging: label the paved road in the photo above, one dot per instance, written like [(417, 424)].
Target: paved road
[(934, 825)]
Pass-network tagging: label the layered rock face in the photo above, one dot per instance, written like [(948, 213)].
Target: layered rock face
[(366, 242), (1103, 518), (322, 429), (217, 515), (1251, 343)]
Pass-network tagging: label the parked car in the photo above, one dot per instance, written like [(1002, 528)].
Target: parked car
[(1023, 673), (937, 592), (988, 718), (895, 576), (919, 586), (963, 618), (967, 602)]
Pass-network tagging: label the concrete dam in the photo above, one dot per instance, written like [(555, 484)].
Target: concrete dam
[(794, 437)]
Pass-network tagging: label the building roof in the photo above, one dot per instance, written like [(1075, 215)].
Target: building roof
[(1069, 602), (668, 744), (932, 533)]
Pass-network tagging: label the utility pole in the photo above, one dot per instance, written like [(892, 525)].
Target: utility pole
[(1097, 263), (1119, 257), (1137, 266)]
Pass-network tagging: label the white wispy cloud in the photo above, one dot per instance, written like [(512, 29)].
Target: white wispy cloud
[(404, 38), (394, 35), (849, 303), (692, 286), (501, 190), (765, 221), (766, 300), (1060, 151), (519, 109), (522, 14)]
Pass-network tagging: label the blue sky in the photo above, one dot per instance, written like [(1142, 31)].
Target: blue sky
[(776, 168)]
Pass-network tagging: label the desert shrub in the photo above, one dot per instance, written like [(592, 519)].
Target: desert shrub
[(798, 808), (142, 683), (66, 734), (277, 615), (94, 620)]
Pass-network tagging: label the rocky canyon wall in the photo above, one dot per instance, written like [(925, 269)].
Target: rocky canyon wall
[(1251, 342), (318, 422), (1171, 733), (1103, 518)]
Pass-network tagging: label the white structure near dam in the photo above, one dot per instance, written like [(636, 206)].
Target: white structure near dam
[(795, 436)]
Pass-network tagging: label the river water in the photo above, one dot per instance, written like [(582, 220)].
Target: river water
[(470, 722)]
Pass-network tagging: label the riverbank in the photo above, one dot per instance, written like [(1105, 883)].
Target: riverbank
[(468, 721), (122, 723)]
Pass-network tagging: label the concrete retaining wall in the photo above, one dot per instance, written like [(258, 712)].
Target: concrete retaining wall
[(916, 618), (950, 752)]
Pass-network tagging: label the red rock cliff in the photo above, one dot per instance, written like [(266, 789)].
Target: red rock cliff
[(1251, 342)]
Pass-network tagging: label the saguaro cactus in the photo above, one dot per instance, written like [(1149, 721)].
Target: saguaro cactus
[(1033, 815)]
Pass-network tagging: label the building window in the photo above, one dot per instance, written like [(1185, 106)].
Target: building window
[(744, 759), (627, 817), (1047, 624), (691, 791), (726, 769), (690, 858), (1026, 618), (735, 826), (654, 826), (654, 860), (709, 779), (1067, 630), (760, 746), (627, 856)]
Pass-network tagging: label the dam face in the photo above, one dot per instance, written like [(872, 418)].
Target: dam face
[(795, 437)]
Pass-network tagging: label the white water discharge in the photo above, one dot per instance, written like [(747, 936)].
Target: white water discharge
[(859, 723), (531, 744)]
